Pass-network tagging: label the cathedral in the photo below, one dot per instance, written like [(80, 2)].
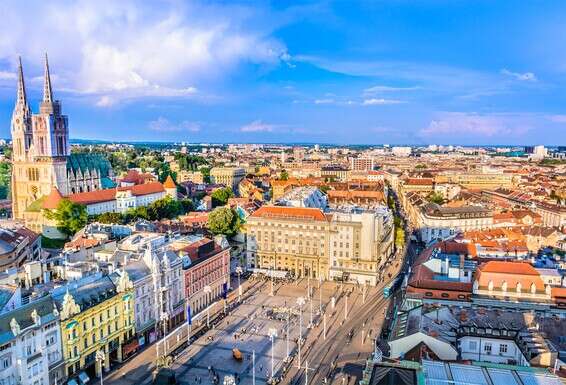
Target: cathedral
[(41, 158)]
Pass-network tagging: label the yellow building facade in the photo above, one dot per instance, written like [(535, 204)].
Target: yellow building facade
[(96, 316)]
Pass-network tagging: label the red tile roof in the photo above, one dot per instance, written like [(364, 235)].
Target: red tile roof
[(52, 200), (169, 182), (504, 267), (284, 212), (107, 195)]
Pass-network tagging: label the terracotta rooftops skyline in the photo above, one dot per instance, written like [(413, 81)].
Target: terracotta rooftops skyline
[(99, 196), (285, 212)]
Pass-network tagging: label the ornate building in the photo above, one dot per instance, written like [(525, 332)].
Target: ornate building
[(41, 153)]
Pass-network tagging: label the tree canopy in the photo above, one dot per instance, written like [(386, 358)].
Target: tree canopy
[(220, 196), (70, 217), (224, 220), (435, 197)]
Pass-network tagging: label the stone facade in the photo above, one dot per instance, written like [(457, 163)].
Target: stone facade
[(41, 153)]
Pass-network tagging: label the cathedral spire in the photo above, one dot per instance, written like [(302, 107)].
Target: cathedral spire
[(21, 100), (47, 91)]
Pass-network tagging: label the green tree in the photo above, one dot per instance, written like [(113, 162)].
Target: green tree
[(284, 175), (435, 197), (5, 175), (164, 208), (70, 217), (224, 220), (220, 196), (399, 238), (110, 218), (187, 205)]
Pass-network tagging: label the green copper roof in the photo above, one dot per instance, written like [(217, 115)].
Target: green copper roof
[(88, 161), (107, 183)]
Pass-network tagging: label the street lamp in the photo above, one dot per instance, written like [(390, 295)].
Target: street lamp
[(300, 304), (100, 356), (287, 356), (164, 319), (207, 290), (272, 335), (239, 272)]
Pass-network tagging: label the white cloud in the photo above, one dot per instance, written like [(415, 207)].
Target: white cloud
[(382, 89), (130, 49), (162, 124), (324, 101), (6, 75), (375, 101), (105, 101), (257, 126), (452, 124), (526, 76), (557, 118)]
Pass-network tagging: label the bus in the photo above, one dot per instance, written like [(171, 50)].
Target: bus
[(392, 286)]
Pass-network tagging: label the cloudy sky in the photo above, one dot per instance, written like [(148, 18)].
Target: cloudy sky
[(398, 71)]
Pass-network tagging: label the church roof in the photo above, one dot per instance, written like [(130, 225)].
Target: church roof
[(169, 182), (106, 195), (52, 200), (89, 161)]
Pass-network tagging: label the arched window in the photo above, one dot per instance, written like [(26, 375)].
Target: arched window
[(519, 287), (533, 288)]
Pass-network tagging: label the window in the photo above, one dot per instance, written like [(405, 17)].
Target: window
[(428, 294), (503, 348), (473, 345), (487, 348)]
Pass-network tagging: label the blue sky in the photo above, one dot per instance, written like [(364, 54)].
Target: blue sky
[(413, 72)]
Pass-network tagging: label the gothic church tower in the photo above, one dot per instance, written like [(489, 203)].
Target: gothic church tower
[(40, 147)]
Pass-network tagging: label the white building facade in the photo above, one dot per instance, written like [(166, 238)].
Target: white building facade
[(30, 347)]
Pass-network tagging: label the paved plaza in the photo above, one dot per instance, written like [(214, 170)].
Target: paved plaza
[(248, 326), (248, 329)]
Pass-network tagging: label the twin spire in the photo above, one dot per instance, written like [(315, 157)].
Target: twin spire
[(21, 100)]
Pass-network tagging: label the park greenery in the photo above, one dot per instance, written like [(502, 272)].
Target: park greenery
[(165, 208), (190, 162), (435, 197), (225, 221), (5, 176), (69, 217), (220, 196)]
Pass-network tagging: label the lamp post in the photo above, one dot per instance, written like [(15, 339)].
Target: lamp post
[(320, 294), (287, 355), (207, 291), (300, 303), (271, 273), (272, 335), (311, 324), (99, 356), (253, 367), (239, 272), (346, 308)]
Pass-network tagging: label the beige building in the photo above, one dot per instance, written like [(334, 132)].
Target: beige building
[(228, 176), (306, 242), (360, 242), (190, 176)]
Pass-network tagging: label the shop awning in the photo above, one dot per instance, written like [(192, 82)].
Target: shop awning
[(130, 347)]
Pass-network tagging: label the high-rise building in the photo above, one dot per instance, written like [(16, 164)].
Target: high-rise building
[(41, 152)]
